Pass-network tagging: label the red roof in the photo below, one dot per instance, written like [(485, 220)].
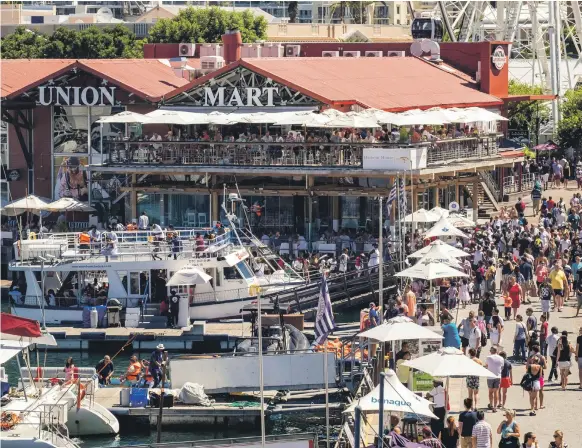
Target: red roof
[(393, 84), (147, 78)]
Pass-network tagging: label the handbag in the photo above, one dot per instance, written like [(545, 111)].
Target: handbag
[(509, 442)]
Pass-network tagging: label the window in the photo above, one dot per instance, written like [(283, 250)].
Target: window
[(244, 269), (397, 10), (231, 273)]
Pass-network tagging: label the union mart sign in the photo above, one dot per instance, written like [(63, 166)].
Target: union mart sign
[(240, 97)]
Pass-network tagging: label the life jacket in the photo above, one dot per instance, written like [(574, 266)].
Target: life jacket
[(136, 371), (84, 238)]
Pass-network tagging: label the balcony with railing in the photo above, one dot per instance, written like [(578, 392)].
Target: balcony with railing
[(345, 155)]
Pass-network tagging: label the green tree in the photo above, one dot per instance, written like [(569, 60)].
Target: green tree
[(527, 115), (292, 11), (207, 25), (357, 11), (90, 43), (570, 127)]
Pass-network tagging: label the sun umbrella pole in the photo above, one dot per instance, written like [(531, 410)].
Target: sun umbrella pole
[(325, 373), (381, 411), (357, 422)]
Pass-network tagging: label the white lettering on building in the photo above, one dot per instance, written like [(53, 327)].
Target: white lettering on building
[(76, 96), (236, 97)]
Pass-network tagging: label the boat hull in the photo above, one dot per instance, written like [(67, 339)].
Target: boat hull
[(53, 316), (91, 420)]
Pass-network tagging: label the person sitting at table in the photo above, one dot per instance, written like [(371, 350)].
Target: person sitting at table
[(416, 136)]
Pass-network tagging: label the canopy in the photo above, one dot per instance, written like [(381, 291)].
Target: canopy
[(124, 117), (430, 270), (421, 117), (421, 215), (445, 248), (439, 211), (438, 255), (382, 116), (30, 203), (352, 120), (302, 118), (549, 146), (398, 329), (472, 114), (69, 205), (19, 326), (397, 398), (444, 228), (448, 361), (189, 276), (460, 221), (161, 116), (10, 346)]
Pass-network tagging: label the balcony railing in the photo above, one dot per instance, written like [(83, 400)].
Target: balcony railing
[(287, 154)]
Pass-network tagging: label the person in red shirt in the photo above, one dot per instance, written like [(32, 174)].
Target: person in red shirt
[(543, 334), (551, 204)]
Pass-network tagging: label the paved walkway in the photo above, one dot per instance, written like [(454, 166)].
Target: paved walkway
[(563, 409)]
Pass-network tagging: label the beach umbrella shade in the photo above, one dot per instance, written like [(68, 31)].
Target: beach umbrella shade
[(124, 117), (460, 221), (381, 116), (398, 329), (176, 117), (440, 212), (219, 118), (548, 146), (445, 248), (301, 118), (352, 120), (474, 114), (444, 228), (68, 205), (430, 270), (189, 276), (421, 215), (397, 398), (30, 203), (420, 117), (449, 362), (438, 254)]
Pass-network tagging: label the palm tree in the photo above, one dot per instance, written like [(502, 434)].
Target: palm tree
[(292, 10), (356, 10)]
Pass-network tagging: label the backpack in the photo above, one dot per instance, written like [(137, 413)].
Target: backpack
[(526, 382), (483, 330)]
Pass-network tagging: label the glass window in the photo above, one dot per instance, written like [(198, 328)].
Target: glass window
[(244, 269), (188, 210), (350, 207), (70, 129), (134, 283), (110, 130), (149, 203), (231, 273)]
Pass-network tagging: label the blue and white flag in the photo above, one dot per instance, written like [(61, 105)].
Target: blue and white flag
[(324, 323), (402, 197), (391, 197)]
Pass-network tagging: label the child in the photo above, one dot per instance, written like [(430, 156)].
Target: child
[(507, 306), (452, 296), (464, 293), (506, 378)]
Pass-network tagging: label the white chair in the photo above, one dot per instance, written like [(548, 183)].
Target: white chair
[(191, 219), (202, 220), (324, 248), (284, 249)]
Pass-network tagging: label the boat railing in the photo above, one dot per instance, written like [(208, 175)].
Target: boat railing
[(74, 302), (124, 246)]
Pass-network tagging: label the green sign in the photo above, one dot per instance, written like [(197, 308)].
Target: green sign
[(422, 382)]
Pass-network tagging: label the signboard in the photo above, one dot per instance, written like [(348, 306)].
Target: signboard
[(236, 257), (395, 159), (499, 58), (518, 135), (76, 96), (239, 97), (422, 382)]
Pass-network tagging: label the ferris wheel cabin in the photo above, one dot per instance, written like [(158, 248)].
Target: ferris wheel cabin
[(427, 28)]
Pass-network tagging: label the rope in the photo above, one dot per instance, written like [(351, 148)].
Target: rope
[(128, 343)]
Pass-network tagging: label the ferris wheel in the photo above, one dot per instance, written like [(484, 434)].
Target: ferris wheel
[(546, 36)]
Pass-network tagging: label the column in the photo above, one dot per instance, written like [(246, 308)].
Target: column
[(475, 196), (214, 207), (457, 190), (163, 199), (437, 201), (335, 212), (133, 197)]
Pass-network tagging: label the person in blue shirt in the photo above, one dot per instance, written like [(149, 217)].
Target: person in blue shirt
[(155, 367), (373, 315), (576, 266), (16, 295), (451, 334)]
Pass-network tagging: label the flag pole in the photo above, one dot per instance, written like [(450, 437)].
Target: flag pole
[(325, 373)]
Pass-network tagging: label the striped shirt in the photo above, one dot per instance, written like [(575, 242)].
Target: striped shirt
[(482, 431)]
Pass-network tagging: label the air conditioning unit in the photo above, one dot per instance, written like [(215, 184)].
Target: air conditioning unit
[(187, 50), (330, 54), (292, 51), (351, 54), (398, 54), (373, 54), (211, 62)]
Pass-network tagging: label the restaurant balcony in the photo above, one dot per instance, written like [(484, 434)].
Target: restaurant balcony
[(306, 156)]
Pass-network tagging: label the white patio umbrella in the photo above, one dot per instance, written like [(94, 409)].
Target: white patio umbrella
[(352, 120), (444, 228), (382, 116), (437, 254), (219, 118), (189, 276), (124, 117), (421, 117), (398, 329), (440, 212), (30, 203), (447, 362), (460, 221), (176, 117), (69, 205), (446, 248), (256, 117), (430, 270), (421, 215), (397, 398), (473, 114)]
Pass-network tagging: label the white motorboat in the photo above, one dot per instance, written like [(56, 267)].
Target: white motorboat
[(63, 277)]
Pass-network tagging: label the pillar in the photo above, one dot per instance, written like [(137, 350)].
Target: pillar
[(214, 207), (184, 312), (457, 190), (437, 201), (133, 197), (335, 212), (475, 195)]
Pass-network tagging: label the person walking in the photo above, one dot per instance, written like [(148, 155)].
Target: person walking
[(509, 431), (558, 441), (494, 363), (467, 420), (537, 358), (450, 435), (438, 396), (464, 330), (515, 293), (473, 381), (535, 371), (530, 440), (450, 334), (564, 356), (174, 308), (552, 343), (143, 222), (495, 327), (156, 364), (506, 378), (482, 434), (520, 338)]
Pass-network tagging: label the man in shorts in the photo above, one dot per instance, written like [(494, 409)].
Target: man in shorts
[(579, 297), (494, 363), (559, 283)]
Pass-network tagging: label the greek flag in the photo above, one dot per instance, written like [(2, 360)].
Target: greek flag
[(324, 323), (391, 198), (402, 198)]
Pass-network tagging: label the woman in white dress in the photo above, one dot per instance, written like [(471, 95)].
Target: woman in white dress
[(464, 293)]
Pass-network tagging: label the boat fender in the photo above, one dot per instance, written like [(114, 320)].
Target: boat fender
[(8, 420)]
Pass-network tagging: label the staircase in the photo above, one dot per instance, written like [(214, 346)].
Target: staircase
[(487, 204), (151, 318)]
